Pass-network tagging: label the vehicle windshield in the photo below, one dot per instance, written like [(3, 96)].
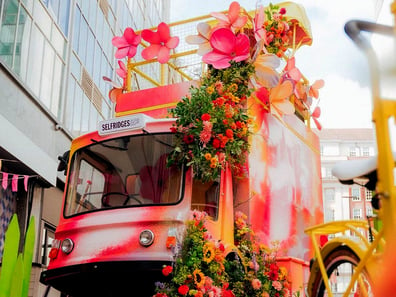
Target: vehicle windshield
[(123, 172)]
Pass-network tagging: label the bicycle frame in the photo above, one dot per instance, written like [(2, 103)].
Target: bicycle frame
[(383, 110)]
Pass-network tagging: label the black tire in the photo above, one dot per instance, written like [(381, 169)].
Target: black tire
[(339, 264)]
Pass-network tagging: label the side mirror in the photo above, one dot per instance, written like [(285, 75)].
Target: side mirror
[(63, 161)]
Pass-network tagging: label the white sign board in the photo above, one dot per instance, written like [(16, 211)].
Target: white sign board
[(126, 123)]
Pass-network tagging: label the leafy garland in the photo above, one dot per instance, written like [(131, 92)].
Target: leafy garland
[(212, 126), (202, 270)]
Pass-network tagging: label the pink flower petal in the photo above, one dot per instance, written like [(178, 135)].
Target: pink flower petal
[(204, 49), (121, 53), (220, 16), (318, 125), (163, 55), (172, 42), (164, 32), (241, 47), (131, 37), (217, 60), (204, 30), (132, 51), (316, 113), (195, 39), (223, 40), (295, 74), (121, 73), (233, 11), (213, 56), (284, 107), (118, 41), (240, 22), (151, 51), (150, 36)]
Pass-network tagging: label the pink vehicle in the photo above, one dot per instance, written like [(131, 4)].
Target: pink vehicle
[(124, 208)]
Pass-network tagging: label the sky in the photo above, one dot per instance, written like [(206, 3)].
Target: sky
[(345, 100)]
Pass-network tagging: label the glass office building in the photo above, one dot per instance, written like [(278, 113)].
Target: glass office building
[(53, 55)]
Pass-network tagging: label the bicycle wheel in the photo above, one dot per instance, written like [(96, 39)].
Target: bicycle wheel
[(340, 265)]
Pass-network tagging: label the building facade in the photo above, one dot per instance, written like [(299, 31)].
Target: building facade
[(53, 54), (343, 202)]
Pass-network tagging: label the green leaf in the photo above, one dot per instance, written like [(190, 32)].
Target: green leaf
[(28, 256), (17, 280), (11, 245)]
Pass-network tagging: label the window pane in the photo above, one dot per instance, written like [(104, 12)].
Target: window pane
[(56, 87), (76, 29), (83, 40), (46, 245), (93, 118), (69, 103), (8, 31), (90, 52), (75, 66), (96, 70), (58, 41), (77, 111), (22, 43), (85, 114), (63, 18), (47, 75), (35, 59), (132, 177), (42, 18)]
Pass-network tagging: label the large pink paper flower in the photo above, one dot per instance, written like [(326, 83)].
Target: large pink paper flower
[(126, 44), (226, 47), (160, 43), (233, 19)]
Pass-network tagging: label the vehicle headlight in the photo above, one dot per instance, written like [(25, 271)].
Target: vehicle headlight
[(146, 238), (67, 245)]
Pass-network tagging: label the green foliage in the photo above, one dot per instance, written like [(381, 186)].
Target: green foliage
[(16, 268)]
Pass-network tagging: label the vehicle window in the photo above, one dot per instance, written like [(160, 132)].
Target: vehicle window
[(205, 197), (123, 172)]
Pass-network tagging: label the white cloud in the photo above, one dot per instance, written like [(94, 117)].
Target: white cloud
[(345, 104)]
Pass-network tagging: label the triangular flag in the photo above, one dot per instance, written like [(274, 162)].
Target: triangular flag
[(25, 182), (5, 180), (14, 185)]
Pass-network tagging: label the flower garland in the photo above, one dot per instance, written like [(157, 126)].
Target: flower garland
[(202, 270), (212, 126), (263, 276), (199, 266)]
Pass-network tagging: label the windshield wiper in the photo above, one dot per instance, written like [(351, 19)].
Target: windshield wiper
[(110, 146)]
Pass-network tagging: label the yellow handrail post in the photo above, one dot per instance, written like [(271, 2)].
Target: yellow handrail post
[(128, 83)]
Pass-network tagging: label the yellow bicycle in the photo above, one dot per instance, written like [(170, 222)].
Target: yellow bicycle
[(349, 262)]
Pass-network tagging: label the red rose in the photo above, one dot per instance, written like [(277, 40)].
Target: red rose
[(183, 290), (167, 270), (216, 143), (229, 133), (173, 129), (205, 117)]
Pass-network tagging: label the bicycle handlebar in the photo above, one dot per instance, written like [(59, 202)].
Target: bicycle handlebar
[(353, 28)]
